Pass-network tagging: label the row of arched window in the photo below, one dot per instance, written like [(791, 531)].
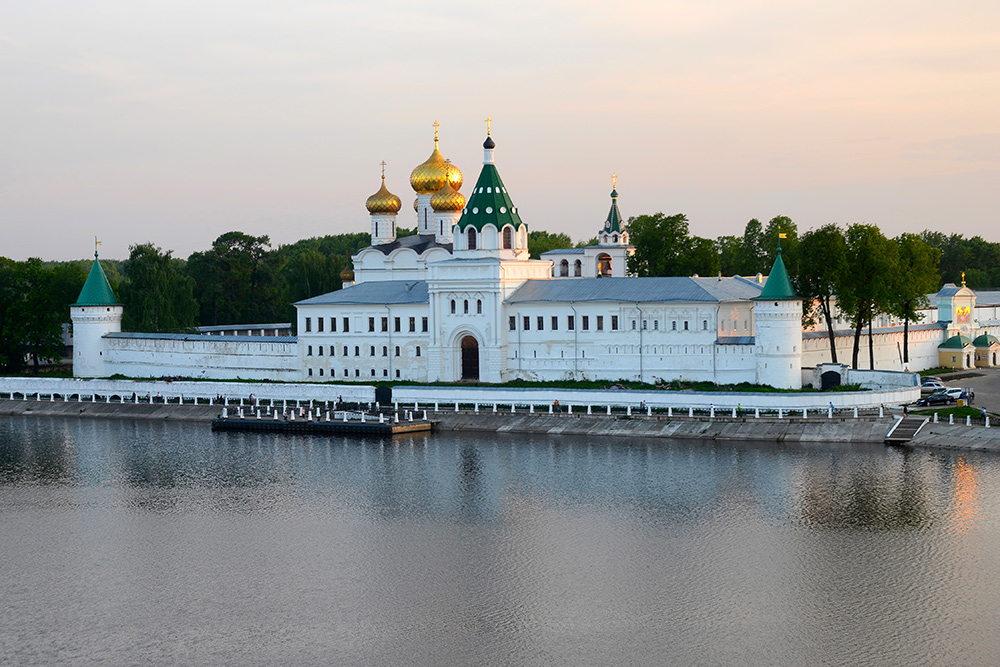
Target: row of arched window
[(465, 306), (347, 373), (357, 351)]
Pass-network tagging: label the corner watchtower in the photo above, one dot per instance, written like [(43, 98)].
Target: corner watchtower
[(778, 324), (96, 312)]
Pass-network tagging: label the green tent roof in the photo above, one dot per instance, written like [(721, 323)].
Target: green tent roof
[(986, 340), (779, 285), (96, 291), (955, 342), (489, 203), (614, 221)]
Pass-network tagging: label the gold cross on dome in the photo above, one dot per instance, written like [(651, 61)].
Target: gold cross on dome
[(383, 169), (489, 122), (614, 181), (436, 126)]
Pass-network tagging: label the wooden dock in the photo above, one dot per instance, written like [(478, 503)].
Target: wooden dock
[(317, 427)]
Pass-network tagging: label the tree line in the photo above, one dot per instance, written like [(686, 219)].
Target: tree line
[(855, 269), (243, 279)]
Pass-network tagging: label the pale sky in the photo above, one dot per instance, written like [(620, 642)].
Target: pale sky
[(174, 122)]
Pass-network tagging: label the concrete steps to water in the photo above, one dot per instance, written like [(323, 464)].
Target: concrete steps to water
[(904, 430)]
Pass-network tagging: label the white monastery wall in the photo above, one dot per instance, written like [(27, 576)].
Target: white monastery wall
[(202, 357)]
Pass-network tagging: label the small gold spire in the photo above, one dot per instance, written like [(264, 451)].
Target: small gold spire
[(614, 181), (963, 278), (97, 244), (436, 126), (489, 126)]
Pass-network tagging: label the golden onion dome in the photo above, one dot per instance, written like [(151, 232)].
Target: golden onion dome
[(383, 201), (415, 203), (347, 275), (429, 177), (447, 199)]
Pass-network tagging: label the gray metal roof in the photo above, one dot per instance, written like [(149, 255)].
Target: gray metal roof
[(949, 289), (987, 298), (564, 251), (676, 289), (202, 337), (378, 292), (223, 327), (737, 340), (415, 242)]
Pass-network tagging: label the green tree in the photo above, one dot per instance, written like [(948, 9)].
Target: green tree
[(916, 276), (35, 318), (777, 226), (238, 280), (542, 241), (822, 263), (729, 249), (157, 292), (752, 254), (866, 288), (11, 291)]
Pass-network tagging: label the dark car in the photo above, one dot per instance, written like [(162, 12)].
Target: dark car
[(937, 398)]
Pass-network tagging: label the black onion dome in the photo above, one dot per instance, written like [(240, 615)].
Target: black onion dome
[(489, 143)]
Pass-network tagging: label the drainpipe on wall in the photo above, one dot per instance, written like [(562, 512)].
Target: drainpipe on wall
[(576, 340), (641, 326), (715, 345)]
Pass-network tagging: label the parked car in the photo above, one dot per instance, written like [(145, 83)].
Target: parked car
[(940, 397), (931, 378), (931, 386)]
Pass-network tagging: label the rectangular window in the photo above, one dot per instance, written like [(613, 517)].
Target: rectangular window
[(413, 324), (395, 324), (512, 323), (656, 325), (333, 324), (319, 327), (385, 324), (600, 322), (555, 323), (585, 322), (309, 324), (685, 325), (347, 325), (418, 350), (423, 324), (644, 327), (371, 324), (704, 325), (345, 350), (527, 323), (541, 323), (569, 322), (614, 323), (309, 352), (633, 325), (673, 325)]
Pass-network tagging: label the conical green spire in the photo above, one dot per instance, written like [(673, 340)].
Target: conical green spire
[(96, 291), (614, 221), (779, 285)]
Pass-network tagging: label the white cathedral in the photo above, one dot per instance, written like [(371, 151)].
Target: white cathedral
[(462, 301)]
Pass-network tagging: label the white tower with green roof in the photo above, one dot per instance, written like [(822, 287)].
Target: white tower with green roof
[(96, 313), (490, 225), (778, 324)]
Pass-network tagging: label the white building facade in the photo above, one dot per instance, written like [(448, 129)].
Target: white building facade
[(462, 301)]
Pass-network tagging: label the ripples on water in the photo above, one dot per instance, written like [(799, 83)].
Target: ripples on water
[(158, 543)]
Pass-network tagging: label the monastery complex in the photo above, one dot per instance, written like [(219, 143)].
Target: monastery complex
[(462, 301)]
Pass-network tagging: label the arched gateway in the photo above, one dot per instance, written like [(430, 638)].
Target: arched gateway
[(470, 359)]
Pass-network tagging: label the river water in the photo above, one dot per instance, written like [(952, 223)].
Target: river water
[(135, 543)]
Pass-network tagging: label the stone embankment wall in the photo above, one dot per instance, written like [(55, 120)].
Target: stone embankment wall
[(819, 429)]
